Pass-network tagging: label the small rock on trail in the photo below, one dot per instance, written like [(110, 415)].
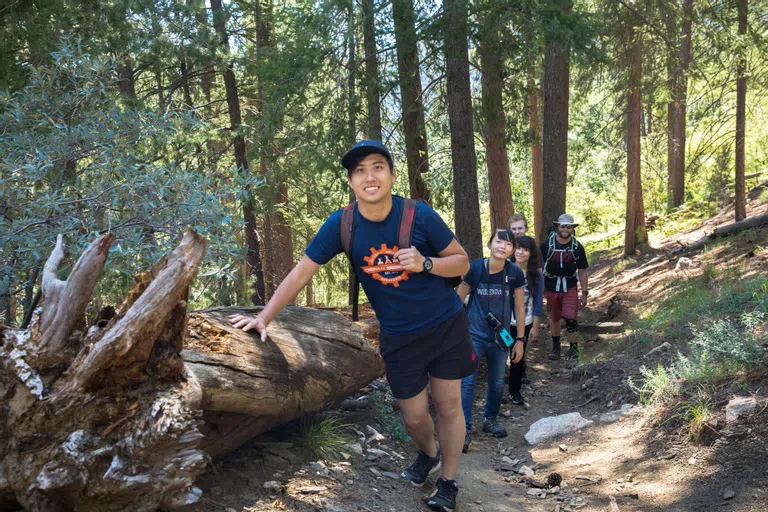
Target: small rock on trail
[(738, 407), (552, 426)]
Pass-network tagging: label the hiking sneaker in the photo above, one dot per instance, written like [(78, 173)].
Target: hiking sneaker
[(572, 361), (517, 398), (467, 440), (493, 428), (444, 496), (554, 355), (422, 467)]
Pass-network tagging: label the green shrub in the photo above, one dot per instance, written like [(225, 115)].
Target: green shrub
[(385, 414), (655, 385), (721, 348)]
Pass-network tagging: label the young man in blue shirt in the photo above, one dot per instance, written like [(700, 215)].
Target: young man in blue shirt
[(424, 329)]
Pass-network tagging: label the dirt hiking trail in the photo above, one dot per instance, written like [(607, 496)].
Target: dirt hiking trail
[(621, 462)]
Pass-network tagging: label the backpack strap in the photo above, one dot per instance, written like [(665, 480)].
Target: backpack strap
[(507, 301), (347, 228), (346, 232), (405, 229)]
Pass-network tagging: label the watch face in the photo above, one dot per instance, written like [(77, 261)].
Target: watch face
[(428, 265)]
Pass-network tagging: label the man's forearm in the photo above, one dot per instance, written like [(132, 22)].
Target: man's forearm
[(293, 283), (454, 265), (583, 280)]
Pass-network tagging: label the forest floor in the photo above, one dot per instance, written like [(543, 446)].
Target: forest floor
[(637, 463)]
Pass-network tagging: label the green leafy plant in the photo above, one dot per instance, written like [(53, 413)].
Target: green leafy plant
[(720, 348), (385, 414), (761, 297), (655, 384)]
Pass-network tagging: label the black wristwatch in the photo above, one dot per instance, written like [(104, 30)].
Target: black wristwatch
[(521, 338), (585, 292), (427, 264)]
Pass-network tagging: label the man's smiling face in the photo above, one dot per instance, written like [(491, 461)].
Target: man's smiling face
[(371, 179)]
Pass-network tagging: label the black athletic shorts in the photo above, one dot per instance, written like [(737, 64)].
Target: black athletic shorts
[(444, 351)]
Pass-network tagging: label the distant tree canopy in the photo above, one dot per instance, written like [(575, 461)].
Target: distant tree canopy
[(143, 118)]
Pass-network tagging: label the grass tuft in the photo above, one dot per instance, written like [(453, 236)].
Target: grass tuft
[(324, 435)]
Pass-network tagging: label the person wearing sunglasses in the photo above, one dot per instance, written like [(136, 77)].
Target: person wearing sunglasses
[(565, 265)]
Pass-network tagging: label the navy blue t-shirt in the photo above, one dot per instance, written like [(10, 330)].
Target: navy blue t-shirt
[(405, 302), (487, 297)]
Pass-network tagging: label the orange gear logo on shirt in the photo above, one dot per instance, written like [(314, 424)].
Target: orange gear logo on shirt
[(382, 267)]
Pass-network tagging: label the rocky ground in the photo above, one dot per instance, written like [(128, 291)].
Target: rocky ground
[(622, 460)]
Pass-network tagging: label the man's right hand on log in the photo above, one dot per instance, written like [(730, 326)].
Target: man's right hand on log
[(247, 323)]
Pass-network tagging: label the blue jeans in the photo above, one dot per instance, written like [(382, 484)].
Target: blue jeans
[(497, 365)]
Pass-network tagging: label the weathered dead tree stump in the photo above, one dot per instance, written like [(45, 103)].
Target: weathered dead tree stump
[(122, 415), (105, 417)]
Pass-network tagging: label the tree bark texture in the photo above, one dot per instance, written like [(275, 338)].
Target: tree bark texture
[(277, 249), (555, 126), (492, 83), (741, 108), (536, 155), (120, 413), (676, 109), (253, 256), (414, 127), (371, 70), (311, 358), (635, 232), (460, 113)]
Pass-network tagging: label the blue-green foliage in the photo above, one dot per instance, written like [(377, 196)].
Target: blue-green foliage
[(77, 160)]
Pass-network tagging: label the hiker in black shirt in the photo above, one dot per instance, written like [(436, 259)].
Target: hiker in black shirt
[(565, 268)]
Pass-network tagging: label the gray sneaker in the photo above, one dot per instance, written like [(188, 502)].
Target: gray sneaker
[(493, 428)]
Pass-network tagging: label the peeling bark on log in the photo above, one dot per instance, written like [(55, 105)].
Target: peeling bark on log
[(311, 358), (116, 426)]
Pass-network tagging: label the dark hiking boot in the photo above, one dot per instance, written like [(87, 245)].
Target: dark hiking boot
[(467, 440), (555, 354), (493, 428), (517, 398), (572, 361), (444, 496), (422, 467)]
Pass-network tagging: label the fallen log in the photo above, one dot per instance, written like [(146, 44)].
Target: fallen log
[(727, 230), (311, 358), (115, 416)]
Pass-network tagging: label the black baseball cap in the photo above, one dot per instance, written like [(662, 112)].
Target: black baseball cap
[(363, 148)]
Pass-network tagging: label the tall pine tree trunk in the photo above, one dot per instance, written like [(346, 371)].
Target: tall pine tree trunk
[(465, 193), (499, 190), (741, 107), (536, 156), (676, 109), (371, 70), (278, 248), (253, 257), (351, 117), (635, 233), (555, 129), (414, 128)]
